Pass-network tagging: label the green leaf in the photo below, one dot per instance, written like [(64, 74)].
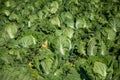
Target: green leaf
[(11, 29), (55, 21), (81, 22), (54, 7), (92, 49), (100, 68), (74, 75), (67, 18), (110, 34), (103, 49), (114, 23), (7, 4), (40, 14), (68, 32), (81, 48), (26, 41), (13, 17), (64, 45), (47, 65), (70, 23), (32, 18), (6, 12)]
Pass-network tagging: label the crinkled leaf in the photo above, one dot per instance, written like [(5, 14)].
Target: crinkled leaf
[(55, 21), (13, 17), (103, 49), (74, 75), (54, 7), (68, 32), (110, 34), (115, 25), (6, 12), (92, 49), (26, 41), (100, 68), (46, 65), (64, 45), (70, 23), (68, 19), (11, 29), (81, 48), (81, 23)]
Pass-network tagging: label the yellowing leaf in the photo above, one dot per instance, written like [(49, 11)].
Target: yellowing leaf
[(45, 44), (30, 64)]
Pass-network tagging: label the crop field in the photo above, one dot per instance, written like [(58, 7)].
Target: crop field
[(59, 39)]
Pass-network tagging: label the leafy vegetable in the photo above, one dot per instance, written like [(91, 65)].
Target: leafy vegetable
[(100, 68), (11, 29), (59, 39), (27, 41)]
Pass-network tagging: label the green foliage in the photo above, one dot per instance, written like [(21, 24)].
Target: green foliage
[(100, 68), (59, 40)]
